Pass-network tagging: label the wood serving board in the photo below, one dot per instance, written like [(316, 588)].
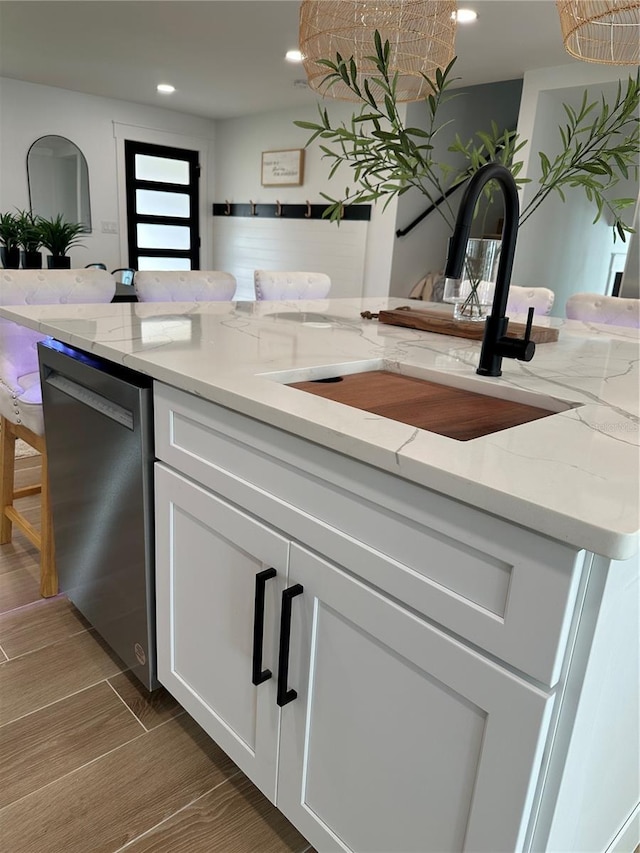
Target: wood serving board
[(433, 321), (454, 412)]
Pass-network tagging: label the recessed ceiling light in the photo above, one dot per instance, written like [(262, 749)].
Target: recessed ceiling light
[(293, 56), (464, 16), (165, 88)]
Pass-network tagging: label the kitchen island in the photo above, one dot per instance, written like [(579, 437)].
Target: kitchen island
[(446, 654)]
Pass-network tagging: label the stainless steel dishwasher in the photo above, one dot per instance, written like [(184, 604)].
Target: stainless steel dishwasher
[(99, 431)]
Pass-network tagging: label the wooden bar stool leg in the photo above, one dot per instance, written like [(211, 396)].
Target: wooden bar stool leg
[(7, 474), (9, 515), (48, 573)]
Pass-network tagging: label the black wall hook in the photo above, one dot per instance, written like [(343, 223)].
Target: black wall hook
[(354, 212)]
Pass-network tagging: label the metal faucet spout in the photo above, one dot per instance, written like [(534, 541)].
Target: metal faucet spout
[(495, 344)]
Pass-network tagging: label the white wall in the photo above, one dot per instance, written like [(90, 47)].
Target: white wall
[(28, 111), (239, 145), (99, 125), (573, 248), (559, 247)]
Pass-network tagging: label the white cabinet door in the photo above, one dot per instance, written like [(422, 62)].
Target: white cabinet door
[(400, 738), (208, 556)]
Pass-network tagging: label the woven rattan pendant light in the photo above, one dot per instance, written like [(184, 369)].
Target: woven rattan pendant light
[(605, 31), (421, 36)]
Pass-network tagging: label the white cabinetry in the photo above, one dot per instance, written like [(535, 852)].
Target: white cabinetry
[(393, 736), (209, 558), (400, 738), (422, 654)]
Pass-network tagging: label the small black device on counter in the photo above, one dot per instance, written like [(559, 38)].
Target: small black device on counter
[(99, 430)]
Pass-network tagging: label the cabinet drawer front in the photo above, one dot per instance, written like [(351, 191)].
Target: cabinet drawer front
[(208, 556), (500, 586), (400, 737)]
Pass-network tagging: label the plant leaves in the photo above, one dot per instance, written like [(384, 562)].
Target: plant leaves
[(545, 165), (599, 142)]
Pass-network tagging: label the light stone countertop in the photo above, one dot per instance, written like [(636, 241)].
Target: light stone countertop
[(573, 476)]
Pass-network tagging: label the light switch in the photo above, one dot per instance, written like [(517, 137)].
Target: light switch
[(108, 227)]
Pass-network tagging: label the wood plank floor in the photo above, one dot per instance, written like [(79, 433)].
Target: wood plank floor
[(89, 763)]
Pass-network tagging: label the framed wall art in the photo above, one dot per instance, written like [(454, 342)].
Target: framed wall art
[(283, 168)]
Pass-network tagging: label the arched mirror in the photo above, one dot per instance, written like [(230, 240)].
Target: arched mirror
[(58, 180)]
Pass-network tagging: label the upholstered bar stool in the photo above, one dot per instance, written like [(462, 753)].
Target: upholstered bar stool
[(275, 284), (595, 308), (184, 286), (21, 397), (520, 299)]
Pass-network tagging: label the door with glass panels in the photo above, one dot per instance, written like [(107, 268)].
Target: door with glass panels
[(162, 207)]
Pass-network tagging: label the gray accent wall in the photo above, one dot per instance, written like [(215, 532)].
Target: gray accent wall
[(472, 109)]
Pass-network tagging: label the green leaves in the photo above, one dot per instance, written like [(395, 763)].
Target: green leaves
[(385, 158), (58, 235), (599, 144), (544, 164), (9, 230)]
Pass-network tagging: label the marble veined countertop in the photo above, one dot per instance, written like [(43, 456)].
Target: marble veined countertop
[(573, 476)]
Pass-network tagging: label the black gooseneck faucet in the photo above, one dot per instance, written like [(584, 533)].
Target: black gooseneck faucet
[(495, 344)]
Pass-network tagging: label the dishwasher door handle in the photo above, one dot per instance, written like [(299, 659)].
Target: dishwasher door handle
[(90, 398)]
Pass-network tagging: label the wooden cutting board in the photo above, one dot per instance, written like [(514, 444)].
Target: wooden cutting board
[(434, 321), (454, 412)]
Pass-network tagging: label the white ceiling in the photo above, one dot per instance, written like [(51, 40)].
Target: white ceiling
[(226, 57)]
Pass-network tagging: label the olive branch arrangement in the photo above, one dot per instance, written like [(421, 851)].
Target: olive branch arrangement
[(600, 145)]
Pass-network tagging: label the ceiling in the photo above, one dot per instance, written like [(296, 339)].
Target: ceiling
[(226, 57)]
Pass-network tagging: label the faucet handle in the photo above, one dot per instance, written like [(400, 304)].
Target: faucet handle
[(528, 346), (522, 349), (527, 331)]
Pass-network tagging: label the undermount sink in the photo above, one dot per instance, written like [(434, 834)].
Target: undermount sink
[(306, 318), (448, 404)]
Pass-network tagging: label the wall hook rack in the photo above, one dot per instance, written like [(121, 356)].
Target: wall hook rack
[(281, 210)]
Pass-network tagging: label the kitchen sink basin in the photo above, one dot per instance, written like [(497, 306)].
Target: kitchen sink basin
[(448, 404), (307, 318)]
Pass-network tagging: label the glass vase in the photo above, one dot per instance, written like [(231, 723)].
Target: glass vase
[(472, 295)]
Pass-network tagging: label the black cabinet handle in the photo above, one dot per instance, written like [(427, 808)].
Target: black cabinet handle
[(258, 674), (285, 696)]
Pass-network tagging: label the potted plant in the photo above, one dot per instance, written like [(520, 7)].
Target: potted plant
[(29, 240), (600, 145), (9, 248), (58, 236)]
